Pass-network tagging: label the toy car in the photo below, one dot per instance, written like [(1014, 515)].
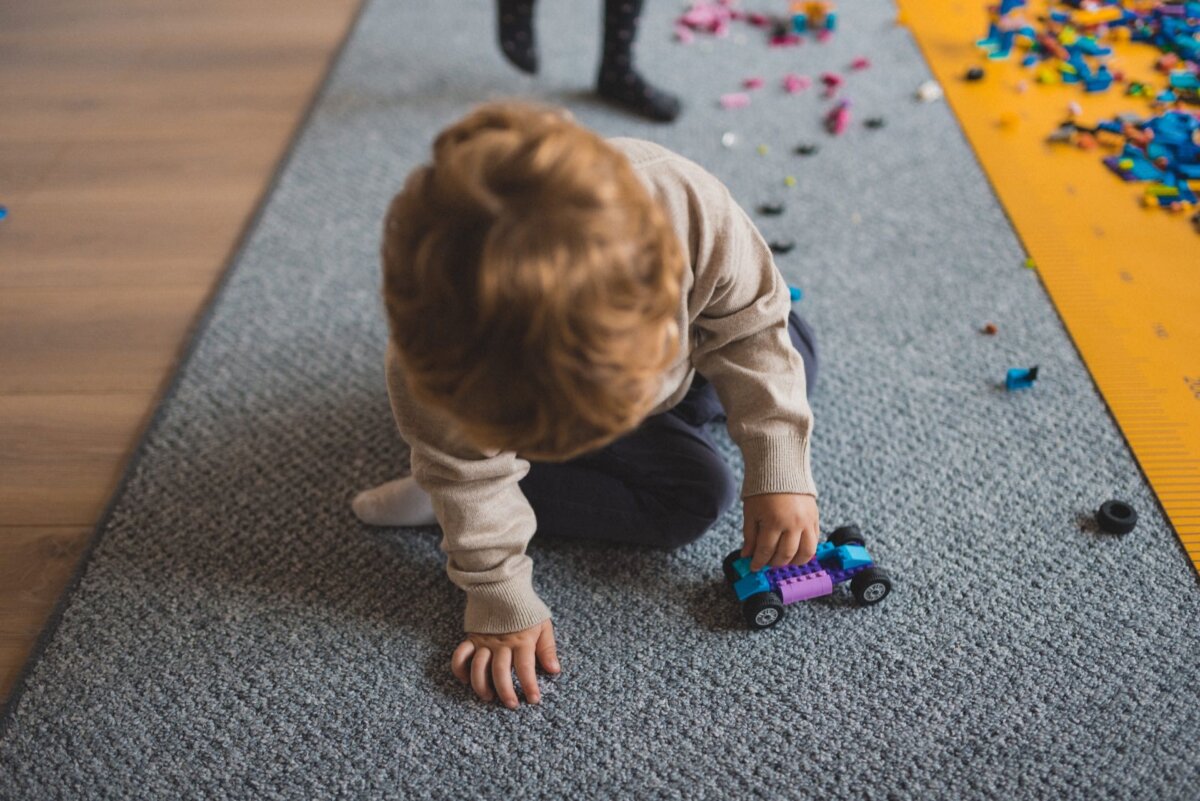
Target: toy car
[(843, 557)]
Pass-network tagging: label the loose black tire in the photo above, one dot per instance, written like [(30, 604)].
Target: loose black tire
[(1116, 517), (763, 610), (871, 586), (730, 574), (847, 535)]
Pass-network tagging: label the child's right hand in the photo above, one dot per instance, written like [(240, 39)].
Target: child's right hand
[(487, 661)]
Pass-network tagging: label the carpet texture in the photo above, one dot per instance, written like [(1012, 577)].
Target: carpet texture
[(237, 634)]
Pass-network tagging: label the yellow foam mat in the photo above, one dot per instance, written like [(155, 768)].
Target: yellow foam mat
[(1125, 279)]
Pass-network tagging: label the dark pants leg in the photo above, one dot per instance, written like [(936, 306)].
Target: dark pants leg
[(664, 484)]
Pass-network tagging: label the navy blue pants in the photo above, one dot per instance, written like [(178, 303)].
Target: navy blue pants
[(663, 484)]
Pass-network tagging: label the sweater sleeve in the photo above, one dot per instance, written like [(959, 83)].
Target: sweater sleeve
[(486, 520), (742, 344)]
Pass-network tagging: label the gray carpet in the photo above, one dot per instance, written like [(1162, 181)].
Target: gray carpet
[(236, 634)]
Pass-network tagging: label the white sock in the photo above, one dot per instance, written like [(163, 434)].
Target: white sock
[(397, 503)]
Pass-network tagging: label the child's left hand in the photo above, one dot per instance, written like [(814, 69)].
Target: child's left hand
[(780, 528)]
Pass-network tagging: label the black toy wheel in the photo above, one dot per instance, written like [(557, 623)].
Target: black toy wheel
[(871, 586), (1116, 517), (730, 574), (763, 610), (847, 535)]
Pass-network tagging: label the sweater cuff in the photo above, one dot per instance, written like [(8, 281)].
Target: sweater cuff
[(777, 464), (504, 606)]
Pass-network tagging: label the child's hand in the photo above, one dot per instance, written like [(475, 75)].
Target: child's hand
[(780, 529), (486, 662)]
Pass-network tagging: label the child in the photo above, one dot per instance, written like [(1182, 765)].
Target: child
[(566, 314)]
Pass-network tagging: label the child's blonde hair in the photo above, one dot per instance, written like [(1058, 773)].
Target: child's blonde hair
[(531, 284)]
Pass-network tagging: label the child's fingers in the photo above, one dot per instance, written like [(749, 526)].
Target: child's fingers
[(526, 665), (460, 660), (808, 545), (502, 677), (480, 682), (547, 653), (768, 540), (786, 549)]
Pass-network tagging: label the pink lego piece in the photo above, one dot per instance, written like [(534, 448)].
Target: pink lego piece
[(758, 20), (793, 83), (838, 118), (832, 82), (860, 63), (823, 35), (786, 40), (735, 100), (753, 83), (802, 588)]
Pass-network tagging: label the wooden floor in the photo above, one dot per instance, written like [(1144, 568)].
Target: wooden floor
[(136, 139)]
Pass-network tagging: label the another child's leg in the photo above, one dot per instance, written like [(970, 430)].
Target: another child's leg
[(618, 80), (514, 28), (663, 485)]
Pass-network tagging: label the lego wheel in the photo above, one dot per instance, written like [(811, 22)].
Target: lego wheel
[(730, 574), (1116, 517), (871, 586), (847, 535), (763, 610)]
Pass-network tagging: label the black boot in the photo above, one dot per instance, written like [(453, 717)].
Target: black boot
[(514, 25), (619, 82)]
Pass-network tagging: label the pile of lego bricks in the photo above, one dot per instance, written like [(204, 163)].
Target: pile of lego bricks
[(1074, 45)]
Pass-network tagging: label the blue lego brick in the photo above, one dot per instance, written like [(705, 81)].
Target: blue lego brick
[(1020, 377), (751, 584), (742, 566), (852, 556), (824, 549)]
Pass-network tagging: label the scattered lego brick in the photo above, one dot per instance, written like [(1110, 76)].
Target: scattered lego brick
[(782, 246), (1116, 517), (929, 92), (793, 83), (806, 150), (753, 83), (974, 74), (1020, 378), (990, 329), (875, 123), (771, 209), (735, 100), (838, 118)]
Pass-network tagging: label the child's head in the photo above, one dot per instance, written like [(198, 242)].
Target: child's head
[(531, 284)]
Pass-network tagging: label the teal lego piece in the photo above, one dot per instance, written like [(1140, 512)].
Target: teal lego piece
[(852, 556), (824, 549), (742, 566), (751, 584)]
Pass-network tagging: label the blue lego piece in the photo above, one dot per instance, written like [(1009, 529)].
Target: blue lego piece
[(852, 556), (824, 550), (752, 584), (796, 293), (1020, 378), (742, 566)]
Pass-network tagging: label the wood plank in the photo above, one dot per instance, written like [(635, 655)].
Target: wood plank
[(62, 455), (92, 340), (35, 564)]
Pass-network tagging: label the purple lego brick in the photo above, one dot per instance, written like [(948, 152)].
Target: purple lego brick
[(805, 586)]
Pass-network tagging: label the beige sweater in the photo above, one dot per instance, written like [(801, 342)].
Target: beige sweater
[(733, 321)]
